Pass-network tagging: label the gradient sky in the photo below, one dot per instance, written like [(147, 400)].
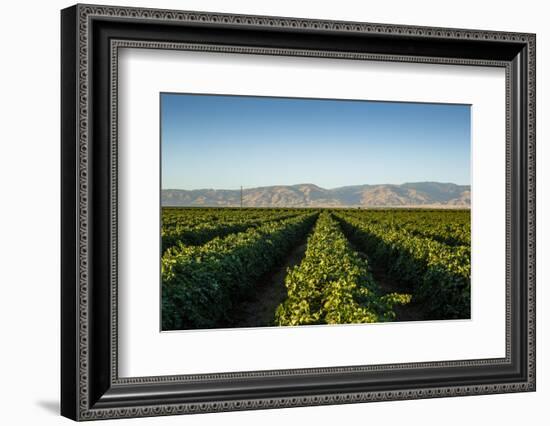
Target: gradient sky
[(223, 142)]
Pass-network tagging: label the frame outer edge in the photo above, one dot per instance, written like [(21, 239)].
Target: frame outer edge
[(83, 13), (531, 200), (69, 221), (83, 61)]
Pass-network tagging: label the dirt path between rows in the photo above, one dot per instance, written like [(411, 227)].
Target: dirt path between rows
[(259, 309), (408, 312)]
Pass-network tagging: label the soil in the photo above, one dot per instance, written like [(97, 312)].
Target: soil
[(259, 309), (409, 312)]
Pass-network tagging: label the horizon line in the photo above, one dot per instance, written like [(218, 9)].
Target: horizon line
[(312, 184)]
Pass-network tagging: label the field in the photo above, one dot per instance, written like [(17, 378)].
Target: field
[(246, 267)]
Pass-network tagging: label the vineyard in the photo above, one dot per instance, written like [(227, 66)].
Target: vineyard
[(350, 266)]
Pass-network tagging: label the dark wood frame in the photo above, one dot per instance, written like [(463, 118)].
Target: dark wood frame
[(90, 386)]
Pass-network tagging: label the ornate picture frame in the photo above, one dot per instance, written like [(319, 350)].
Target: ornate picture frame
[(91, 37)]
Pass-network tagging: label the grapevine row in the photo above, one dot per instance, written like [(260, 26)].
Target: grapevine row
[(450, 227), (438, 274), (332, 284), (201, 284), (204, 232)]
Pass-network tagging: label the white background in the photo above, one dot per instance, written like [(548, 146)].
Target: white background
[(29, 229), (146, 352)]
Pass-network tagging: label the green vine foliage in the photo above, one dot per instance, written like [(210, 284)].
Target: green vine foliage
[(198, 226), (437, 273), (200, 284), (214, 259), (333, 285)]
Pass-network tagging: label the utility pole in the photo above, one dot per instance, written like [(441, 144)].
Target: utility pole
[(241, 196)]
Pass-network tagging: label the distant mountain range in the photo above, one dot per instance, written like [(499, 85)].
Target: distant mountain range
[(419, 194)]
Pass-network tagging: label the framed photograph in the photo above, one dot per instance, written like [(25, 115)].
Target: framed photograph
[(263, 212)]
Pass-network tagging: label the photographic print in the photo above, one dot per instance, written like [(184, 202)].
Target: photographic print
[(297, 212)]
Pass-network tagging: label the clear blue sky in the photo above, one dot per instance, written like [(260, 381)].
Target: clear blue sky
[(223, 142)]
